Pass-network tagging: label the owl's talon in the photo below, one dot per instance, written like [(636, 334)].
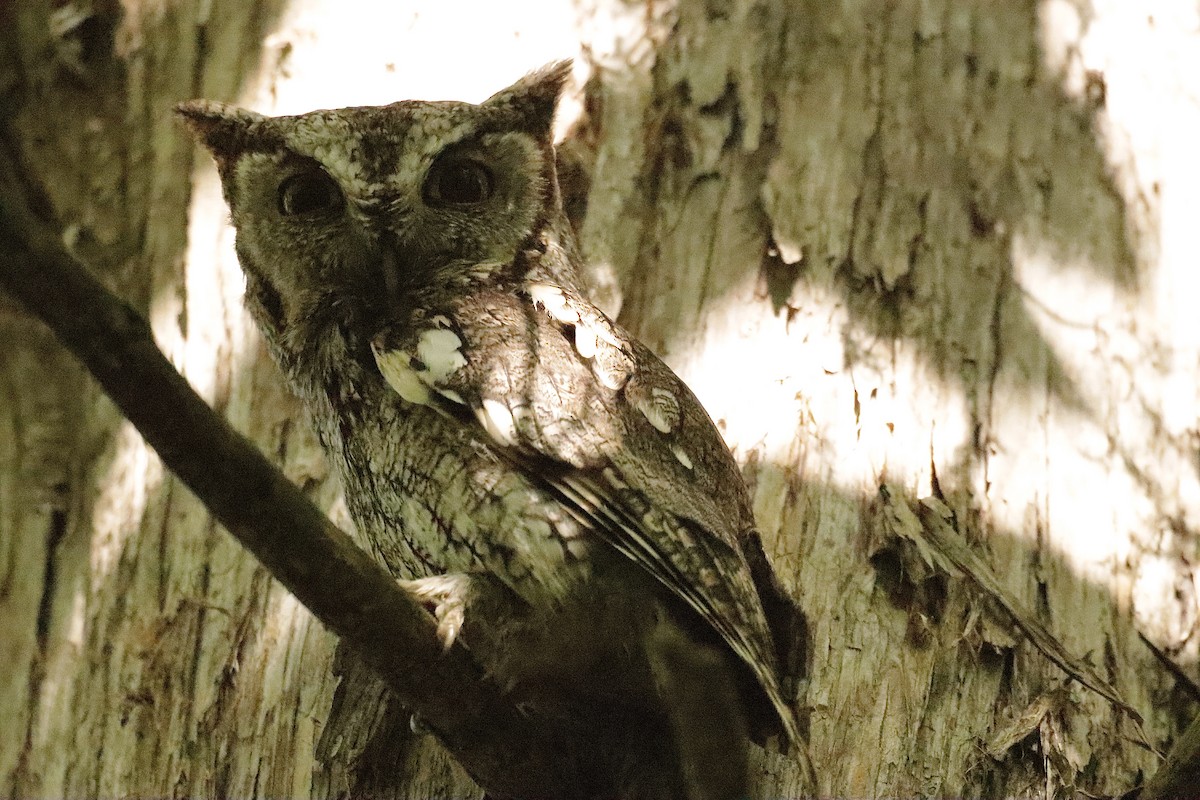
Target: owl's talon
[(443, 596), (449, 624), (416, 724)]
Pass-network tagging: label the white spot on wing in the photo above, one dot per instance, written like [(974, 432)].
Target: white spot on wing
[(438, 349), (611, 368), (585, 341), (682, 456), (614, 479), (604, 331), (396, 368), (661, 408), (554, 301), (498, 421)]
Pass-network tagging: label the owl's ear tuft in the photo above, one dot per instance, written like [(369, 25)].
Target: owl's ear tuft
[(227, 131), (533, 98)]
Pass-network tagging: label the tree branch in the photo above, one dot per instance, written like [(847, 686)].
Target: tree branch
[(508, 753)]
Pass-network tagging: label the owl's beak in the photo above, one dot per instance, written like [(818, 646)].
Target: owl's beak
[(389, 270)]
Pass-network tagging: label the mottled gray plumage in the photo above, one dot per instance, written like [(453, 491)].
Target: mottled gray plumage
[(537, 476)]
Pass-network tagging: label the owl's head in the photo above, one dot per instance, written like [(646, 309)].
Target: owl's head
[(343, 212)]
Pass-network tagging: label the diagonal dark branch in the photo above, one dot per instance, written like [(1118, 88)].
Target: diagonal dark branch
[(506, 752)]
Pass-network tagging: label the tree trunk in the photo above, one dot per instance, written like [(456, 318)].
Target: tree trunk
[(946, 248)]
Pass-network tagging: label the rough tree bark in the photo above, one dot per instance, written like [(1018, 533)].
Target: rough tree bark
[(944, 246)]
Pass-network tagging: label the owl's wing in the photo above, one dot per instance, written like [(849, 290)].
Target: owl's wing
[(597, 420)]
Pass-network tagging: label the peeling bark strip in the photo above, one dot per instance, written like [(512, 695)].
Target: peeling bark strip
[(932, 531)]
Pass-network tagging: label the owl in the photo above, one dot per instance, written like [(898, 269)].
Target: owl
[(528, 470)]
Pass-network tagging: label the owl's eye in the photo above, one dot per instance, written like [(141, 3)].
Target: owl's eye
[(457, 182), (311, 192)]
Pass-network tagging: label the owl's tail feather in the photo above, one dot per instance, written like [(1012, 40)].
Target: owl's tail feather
[(698, 684)]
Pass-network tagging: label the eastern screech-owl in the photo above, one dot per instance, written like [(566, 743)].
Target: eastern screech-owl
[(534, 473)]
